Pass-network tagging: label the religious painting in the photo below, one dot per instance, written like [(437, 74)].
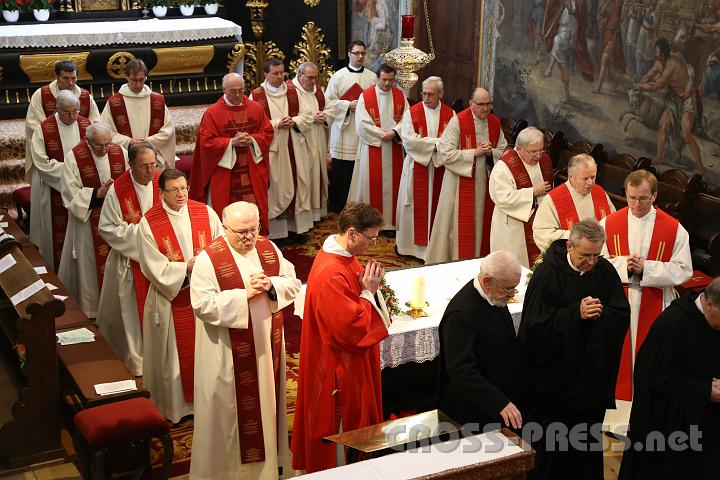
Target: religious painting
[(376, 23), (639, 76)]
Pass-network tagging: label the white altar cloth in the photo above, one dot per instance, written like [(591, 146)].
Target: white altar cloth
[(416, 463), (151, 31), (418, 340)]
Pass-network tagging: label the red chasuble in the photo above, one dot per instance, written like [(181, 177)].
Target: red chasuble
[(248, 181), (339, 375), (182, 312), (48, 101), (567, 213), (466, 189), (522, 180), (661, 247), (119, 113), (375, 160), (54, 149), (247, 391), (421, 174), (91, 179), (132, 213)]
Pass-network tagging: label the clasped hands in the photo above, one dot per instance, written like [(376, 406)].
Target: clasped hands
[(259, 283), (241, 139), (590, 308), (371, 277), (635, 264), (286, 122), (483, 149)]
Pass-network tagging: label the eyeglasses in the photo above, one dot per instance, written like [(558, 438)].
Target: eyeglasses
[(251, 232), (69, 112), (430, 94), (310, 77), (359, 54), (508, 291), (638, 199), (370, 239), (590, 256), (100, 145), (482, 104), (148, 166), (235, 91), (174, 191), (537, 153)]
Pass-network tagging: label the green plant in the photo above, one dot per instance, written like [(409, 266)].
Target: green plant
[(186, 2), (159, 3), (41, 4), (12, 5)]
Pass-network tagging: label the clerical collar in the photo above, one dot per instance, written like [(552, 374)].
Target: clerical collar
[(355, 70), (478, 287), (698, 304), (126, 91), (573, 266), (645, 218), (230, 104), (436, 109), (331, 245), (380, 91), (300, 88), (182, 212), (272, 89)]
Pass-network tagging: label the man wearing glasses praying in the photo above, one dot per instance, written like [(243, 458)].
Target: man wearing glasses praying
[(650, 251), (575, 317), (518, 184), (171, 234), (88, 173)]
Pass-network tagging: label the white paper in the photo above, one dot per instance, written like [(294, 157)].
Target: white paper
[(115, 387), (27, 292), (4, 224), (79, 335), (50, 286), (6, 262), (40, 270), (62, 298)]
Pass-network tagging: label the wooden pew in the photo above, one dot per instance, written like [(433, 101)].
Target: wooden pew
[(700, 215)]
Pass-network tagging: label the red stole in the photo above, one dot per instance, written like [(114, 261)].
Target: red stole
[(375, 160), (466, 188), (91, 179), (247, 393), (182, 312), (421, 174), (522, 180), (118, 110), (54, 149), (661, 247), (48, 101), (567, 213), (132, 213)]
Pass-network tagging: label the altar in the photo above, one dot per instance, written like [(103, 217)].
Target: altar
[(187, 57)]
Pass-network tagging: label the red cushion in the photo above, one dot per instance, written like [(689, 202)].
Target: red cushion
[(120, 422), (184, 164), (21, 196)]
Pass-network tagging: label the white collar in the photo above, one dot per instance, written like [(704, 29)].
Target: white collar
[(126, 91), (573, 266), (183, 212), (698, 304), (355, 70), (331, 245), (436, 109), (300, 88), (476, 284), (648, 216), (228, 102), (266, 85), (380, 91), (138, 184)]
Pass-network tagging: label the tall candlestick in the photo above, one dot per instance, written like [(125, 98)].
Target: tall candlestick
[(408, 24), (417, 293)]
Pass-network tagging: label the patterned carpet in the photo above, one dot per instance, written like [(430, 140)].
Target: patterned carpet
[(301, 252)]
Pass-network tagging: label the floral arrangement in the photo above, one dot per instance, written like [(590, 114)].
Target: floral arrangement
[(390, 297), (40, 4), (186, 2), (535, 264), (159, 3), (12, 5)]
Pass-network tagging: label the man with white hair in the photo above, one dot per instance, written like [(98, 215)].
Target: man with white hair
[(232, 151), (576, 199), (475, 332), (239, 286), (137, 114), (422, 175), (43, 103), (89, 171), (52, 139), (313, 116), (518, 184)]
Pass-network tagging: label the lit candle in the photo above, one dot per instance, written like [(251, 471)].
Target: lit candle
[(408, 22), (417, 293)]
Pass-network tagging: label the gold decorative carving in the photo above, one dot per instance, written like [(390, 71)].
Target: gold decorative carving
[(235, 56), (40, 67), (116, 64), (257, 16), (312, 3), (256, 56), (99, 5), (312, 49), (177, 60)]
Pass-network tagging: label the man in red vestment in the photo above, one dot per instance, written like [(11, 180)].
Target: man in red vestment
[(232, 150), (345, 319)]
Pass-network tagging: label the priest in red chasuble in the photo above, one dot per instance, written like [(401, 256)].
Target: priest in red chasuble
[(471, 143), (232, 152), (518, 183), (345, 319), (239, 286)]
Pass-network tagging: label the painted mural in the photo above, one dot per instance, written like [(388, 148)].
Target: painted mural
[(639, 76), (375, 22)]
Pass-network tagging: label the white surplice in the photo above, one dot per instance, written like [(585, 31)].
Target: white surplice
[(216, 448), (513, 208), (343, 136), (664, 275), (546, 227), (78, 269), (369, 136), (118, 318), (282, 188), (161, 366), (316, 136), (46, 173), (458, 162), (138, 110), (35, 115), (423, 151)]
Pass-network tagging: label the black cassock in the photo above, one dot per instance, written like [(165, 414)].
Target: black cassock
[(571, 364), (673, 376), (479, 362)]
